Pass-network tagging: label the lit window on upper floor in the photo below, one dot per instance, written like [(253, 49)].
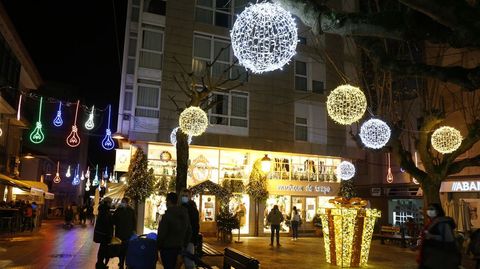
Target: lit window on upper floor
[(219, 12), (158, 7), (229, 109), (301, 129), (151, 50)]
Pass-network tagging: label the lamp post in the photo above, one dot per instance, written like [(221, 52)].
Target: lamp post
[(266, 164)]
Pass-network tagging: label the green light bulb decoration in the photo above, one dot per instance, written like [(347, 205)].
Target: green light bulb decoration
[(37, 136)]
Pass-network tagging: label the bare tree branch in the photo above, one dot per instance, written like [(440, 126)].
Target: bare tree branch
[(458, 166), (172, 98)]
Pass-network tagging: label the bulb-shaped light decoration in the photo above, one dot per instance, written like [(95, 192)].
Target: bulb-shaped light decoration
[(95, 179), (266, 164), (374, 133), (345, 170), (19, 108), (414, 180), (346, 104), (68, 174), (57, 178), (87, 185), (389, 172), (264, 37), (87, 173), (76, 178), (73, 140), (37, 136), (107, 142), (58, 121), (82, 177), (446, 139), (193, 121), (1, 132), (173, 137), (89, 124), (105, 172)]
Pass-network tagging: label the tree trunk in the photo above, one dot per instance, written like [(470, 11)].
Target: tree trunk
[(182, 161), (431, 190)]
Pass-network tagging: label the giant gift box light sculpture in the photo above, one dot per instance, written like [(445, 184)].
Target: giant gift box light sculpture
[(264, 37), (346, 104), (348, 229), (446, 139), (193, 121)]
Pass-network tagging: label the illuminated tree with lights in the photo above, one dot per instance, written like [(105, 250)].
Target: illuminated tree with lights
[(140, 179), (418, 66)]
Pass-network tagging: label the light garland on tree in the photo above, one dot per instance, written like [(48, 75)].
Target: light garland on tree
[(446, 139), (345, 170), (173, 137), (193, 121), (89, 124), (346, 104), (57, 178), (264, 37), (37, 136), (107, 142), (58, 121), (73, 140), (375, 133)]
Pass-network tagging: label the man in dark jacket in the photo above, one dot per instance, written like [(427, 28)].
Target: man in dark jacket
[(103, 232), (174, 232), (125, 225), (193, 215)]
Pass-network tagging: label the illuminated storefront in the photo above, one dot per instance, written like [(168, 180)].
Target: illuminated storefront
[(304, 181)]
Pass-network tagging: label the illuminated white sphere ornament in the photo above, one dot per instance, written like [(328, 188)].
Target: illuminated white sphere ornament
[(264, 37), (346, 104), (446, 139), (193, 121), (173, 137), (345, 170), (374, 133)]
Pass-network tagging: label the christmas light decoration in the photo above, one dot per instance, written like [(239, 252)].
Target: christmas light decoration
[(95, 179), (57, 178), (345, 170), (37, 136), (414, 180), (446, 139), (346, 104), (76, 178), (193, 121), (107, 142), (87, 185), (58, 121), (264, 37), (87, 173), (68, 174), (73, 140), (82, 177), (173, 137), (1, 132), (89, 124), (389, 173), (105, 172), (19, 107), (374, 133)]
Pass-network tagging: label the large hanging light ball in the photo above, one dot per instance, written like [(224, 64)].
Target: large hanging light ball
[(374, 133), (346, 104), (173, 137), (345, 170), (446, 139), (193, 121), (264, 37)]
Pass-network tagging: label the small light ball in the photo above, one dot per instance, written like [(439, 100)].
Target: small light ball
[(193, 121), (346, 104), (446, 139), (264, 37), (173, 137), (345, 170), (374, 133)]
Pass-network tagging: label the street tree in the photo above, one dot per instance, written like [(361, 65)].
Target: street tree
[(406, 73), (140, 179)]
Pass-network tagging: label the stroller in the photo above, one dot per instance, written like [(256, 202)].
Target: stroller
[(142, 252)]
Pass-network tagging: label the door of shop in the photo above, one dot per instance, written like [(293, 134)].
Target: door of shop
[(307, 208)]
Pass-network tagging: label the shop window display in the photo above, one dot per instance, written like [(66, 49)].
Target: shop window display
[(155, 207), (310, 209), (284, 205), (240, 205), (207, 213)]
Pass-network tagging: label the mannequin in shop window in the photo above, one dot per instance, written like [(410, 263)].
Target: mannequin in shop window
[(310, 169), (241, 214)]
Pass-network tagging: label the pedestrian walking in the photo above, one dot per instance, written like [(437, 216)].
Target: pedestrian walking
[(194, 218), (27, 217), (295, 222), (474, 247), (83, 215), (174, 232), (275, 218), (103, 233), (125, 225), (69, 215), (438, 249)]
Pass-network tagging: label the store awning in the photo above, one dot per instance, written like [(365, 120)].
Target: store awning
[(5, 180), (34, 187)]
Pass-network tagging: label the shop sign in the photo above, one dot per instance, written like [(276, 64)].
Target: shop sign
[(289, 187), (460, 186), (122, 160)]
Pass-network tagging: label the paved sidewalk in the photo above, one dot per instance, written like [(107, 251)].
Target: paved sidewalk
[(54, 247)]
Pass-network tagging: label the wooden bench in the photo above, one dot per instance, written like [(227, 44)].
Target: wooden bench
[(393, 233), (208, 250), (239, 260)]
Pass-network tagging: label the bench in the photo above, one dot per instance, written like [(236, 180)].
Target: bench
[(393, 233), (239, 260), (208, 250)]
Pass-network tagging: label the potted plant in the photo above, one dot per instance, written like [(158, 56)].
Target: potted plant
[(226, 222), (317, 223)]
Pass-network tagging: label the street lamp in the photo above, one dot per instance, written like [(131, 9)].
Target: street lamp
[(266, 164), (118, 136)]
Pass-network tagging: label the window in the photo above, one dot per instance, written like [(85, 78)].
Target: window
[(301, 129), (317, 86), (158, 7), (301, 76), (148, 101), (151, 51), (207, 48), (127, 101), (216, 12), (230, 109), (309, 76)]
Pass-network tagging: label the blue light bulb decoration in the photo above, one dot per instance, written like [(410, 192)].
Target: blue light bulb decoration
[(89, 124), (105, 173), (76, 178), (107, 142), (57, 122), (37, 136), (95, 179)]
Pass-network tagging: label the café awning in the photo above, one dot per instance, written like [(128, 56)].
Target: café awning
[(6, 180)]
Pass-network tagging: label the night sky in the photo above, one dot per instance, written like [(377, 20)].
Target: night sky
[(74, 43)]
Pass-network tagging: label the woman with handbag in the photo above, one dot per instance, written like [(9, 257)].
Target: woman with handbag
[(103, 233), (438, 248), (295, 221)]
